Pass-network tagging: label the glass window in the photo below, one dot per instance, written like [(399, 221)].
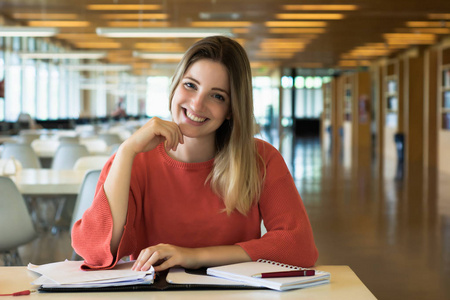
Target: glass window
[(74, 94), (63, 92), (2, 82), (13, 83), (309, 98), (54, 86), (158, 97), (287, 82), (29, 88), (263, 100), (42, 91)]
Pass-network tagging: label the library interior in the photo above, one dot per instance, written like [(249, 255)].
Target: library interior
[(354, 94)]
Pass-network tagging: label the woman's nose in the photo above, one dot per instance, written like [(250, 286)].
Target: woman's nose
[(198, 101)]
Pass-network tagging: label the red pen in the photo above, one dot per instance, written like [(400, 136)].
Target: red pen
[(285, 274)]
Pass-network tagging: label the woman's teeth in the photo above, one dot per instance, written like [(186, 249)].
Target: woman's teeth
[(194, 118)]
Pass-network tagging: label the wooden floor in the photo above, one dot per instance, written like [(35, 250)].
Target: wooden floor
[(394, 233)]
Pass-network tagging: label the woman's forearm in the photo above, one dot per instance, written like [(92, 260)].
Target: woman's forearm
[(221, 255), (117, 186)]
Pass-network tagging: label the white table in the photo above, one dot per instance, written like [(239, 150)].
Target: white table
[(344, 284), (48, 182)]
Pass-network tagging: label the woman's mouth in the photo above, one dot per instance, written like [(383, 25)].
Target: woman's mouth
[(195, 118)]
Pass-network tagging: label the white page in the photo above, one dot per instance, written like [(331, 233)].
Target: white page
[(70, 272), (179, 276)]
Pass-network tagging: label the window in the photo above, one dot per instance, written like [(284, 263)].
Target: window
[(309, 98), (158, 97), (2, 82), (42, 91), (13, 80), (29, 88), (263, 100), (54, 86)]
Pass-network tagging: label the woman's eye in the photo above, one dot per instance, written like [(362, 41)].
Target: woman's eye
[(189, 85), (220, 97)]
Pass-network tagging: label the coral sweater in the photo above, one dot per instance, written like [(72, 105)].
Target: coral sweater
[(169, 202)]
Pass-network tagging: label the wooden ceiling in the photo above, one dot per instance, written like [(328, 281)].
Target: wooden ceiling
[(340, 34)]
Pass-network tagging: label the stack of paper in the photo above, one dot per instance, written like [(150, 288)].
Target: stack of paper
[(68, 274)]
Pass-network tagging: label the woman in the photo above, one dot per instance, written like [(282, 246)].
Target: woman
[(192, 192)]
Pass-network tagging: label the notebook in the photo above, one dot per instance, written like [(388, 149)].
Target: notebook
[(242, 272)]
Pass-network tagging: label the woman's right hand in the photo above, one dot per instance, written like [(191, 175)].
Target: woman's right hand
[(154, 132)]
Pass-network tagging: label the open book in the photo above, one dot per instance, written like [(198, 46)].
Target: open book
[(243, 273), (68, 275)]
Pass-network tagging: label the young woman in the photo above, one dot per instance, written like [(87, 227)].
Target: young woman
[(193, 191)]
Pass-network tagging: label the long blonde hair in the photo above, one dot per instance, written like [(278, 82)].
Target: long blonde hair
[(238, 170)]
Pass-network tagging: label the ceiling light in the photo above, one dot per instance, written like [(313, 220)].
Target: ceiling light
[(98, 45), (28, 31), (296, 24), (45, 16), (221, 24), (326, 7), (161, 32), (63, 55), (59, 23), (158, 56), (309, 16), (134, 16), (124, 6), (98, 67), (439, 16), (442, 24), (296, 30)]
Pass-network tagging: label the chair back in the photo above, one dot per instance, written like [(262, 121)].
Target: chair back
[(110, 138), (23, 153), (67, 154), (9, 166), (16, 226), (91, 162), (69, 139), (85, 195)]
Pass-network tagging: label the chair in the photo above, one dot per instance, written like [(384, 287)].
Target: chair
[(84, 198), (67, 154), (23, 153), (16, 226), (110, 138), (9, 166), (95, 145), (91, 162), (69, 139)]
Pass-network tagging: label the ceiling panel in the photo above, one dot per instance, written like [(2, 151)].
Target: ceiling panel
[(329, 39)]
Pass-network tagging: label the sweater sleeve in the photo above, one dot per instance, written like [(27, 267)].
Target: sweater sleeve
[(91, 235), (289, 238)]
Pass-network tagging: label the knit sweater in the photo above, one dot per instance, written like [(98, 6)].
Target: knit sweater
[(170, 203)]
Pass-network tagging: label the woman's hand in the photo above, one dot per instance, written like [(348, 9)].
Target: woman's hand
[(152, 134), (164, 256)]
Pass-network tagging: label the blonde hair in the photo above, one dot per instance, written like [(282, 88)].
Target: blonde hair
[(238, 170)]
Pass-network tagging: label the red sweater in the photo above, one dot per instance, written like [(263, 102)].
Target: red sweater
[(170, 203)]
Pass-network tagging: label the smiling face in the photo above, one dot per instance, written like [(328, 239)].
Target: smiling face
[(201, 101)]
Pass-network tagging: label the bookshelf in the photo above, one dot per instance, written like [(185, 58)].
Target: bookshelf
[(392, 101), (347, 102), (445, 106)]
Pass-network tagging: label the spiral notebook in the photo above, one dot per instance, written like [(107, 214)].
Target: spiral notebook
[(242, 272)]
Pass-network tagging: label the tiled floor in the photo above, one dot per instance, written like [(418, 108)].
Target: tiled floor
[(395, 234)]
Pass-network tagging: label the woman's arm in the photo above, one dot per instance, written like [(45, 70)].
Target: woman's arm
[(117, 183)]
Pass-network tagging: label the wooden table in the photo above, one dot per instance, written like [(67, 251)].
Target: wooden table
[(344, 285), (48, 182)]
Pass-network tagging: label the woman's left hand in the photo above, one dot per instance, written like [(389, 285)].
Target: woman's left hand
[(164, 256)]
